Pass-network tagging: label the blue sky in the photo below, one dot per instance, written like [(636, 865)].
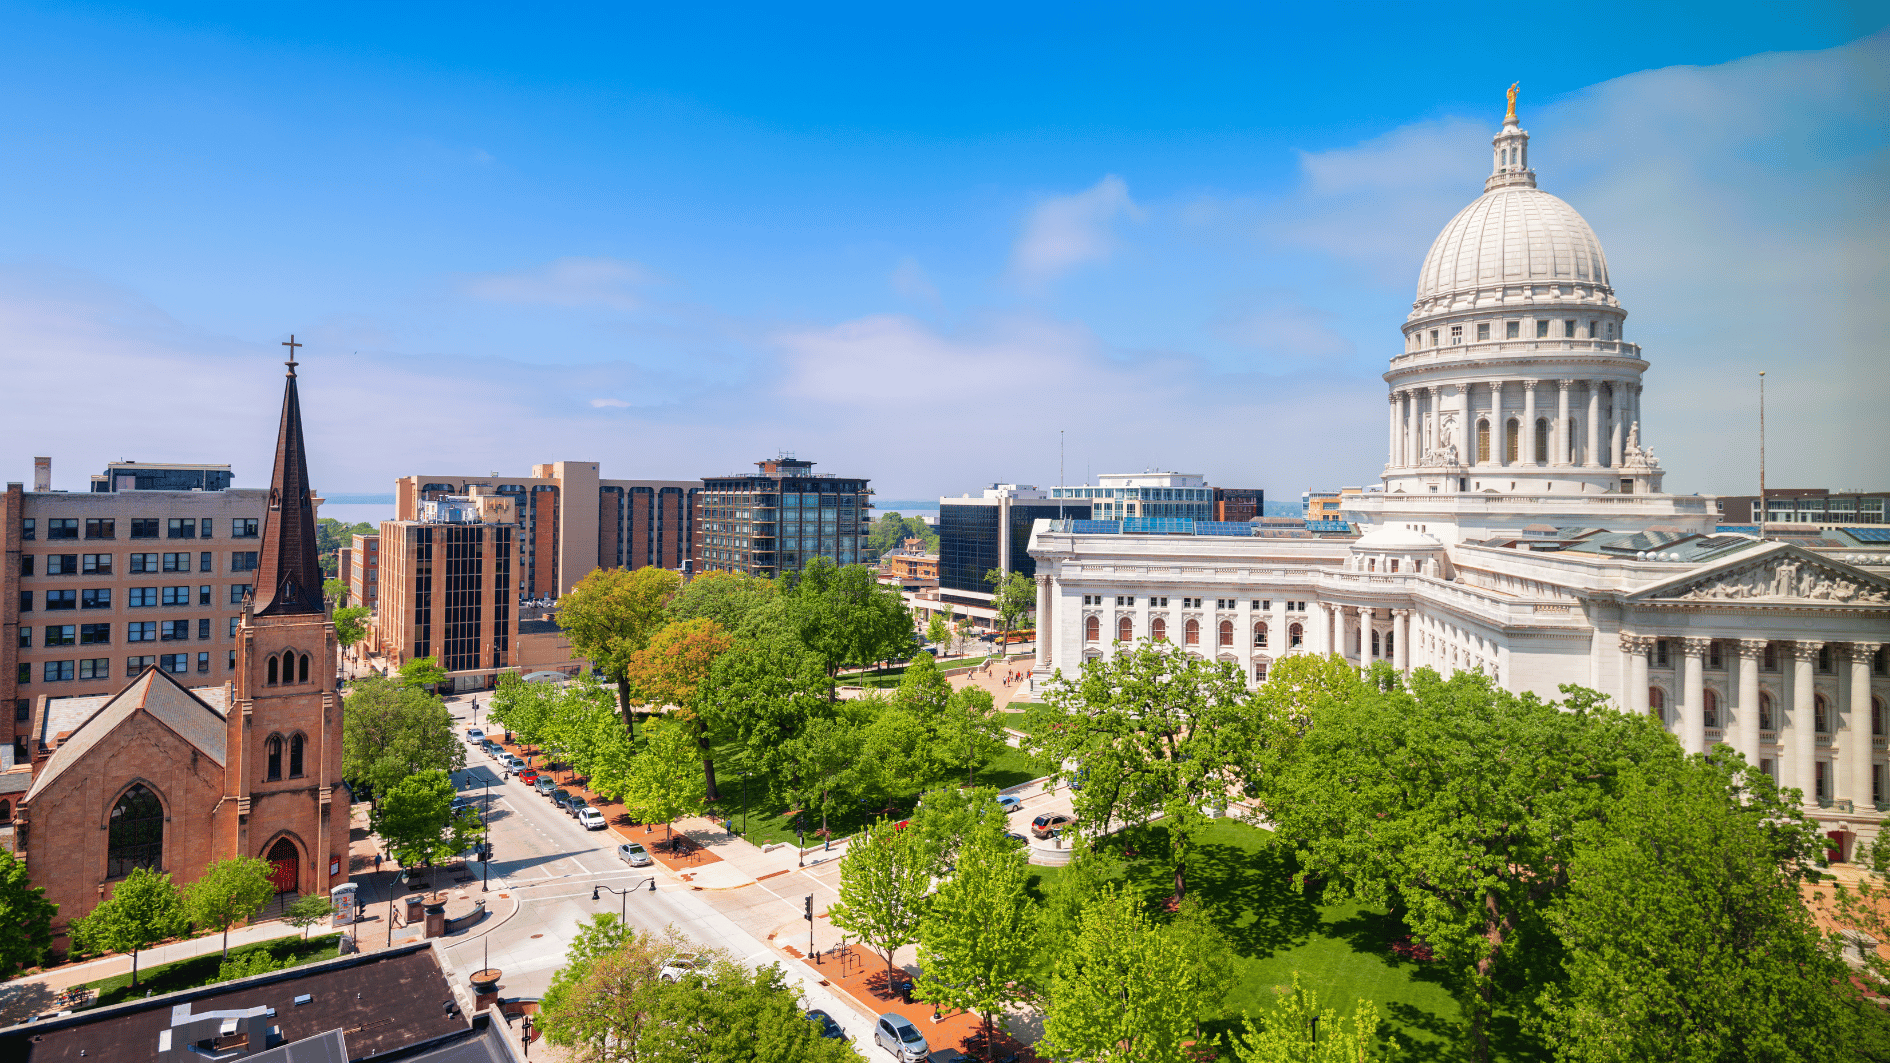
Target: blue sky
[(912, 246)]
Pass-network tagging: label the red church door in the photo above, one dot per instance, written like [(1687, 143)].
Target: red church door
[(284, 866)]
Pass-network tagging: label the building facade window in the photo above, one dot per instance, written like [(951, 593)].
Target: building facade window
[(1158, 630), (135, 834), (1295, 636), (1657, 703), (1820, 717), (1092, 629), (1191, 633), (1227, 633), (295, 757), (1709, 700), (272, 757)]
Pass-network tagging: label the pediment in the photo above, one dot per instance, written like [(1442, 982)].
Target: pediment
[(1785, 573)]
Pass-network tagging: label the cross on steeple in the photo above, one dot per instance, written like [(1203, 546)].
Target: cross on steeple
[(292, 345)]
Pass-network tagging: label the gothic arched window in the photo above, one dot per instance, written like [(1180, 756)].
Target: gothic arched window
[(272, 758), (295, 757), (301, 673), (1125, 630), (135, 836), (1191, 632), (272, 671), (1092, 629), (1227, 632)]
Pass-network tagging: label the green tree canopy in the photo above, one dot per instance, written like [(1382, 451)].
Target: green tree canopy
[(846, 617), (735, 1015), (25, 918), (423, 673), (761, 695), (977, 939), (351, 624), (892, 529), (390, 731), (663, 781), (672, 669), (227, 893), (144, 909), (416, 820), (730, 599), (527, 710), (336, 591), (611, 614), (939, 630), (1119, 993), (598, 1003), (1013, 596), (883, 879), (1295, 1029), (308, 909)]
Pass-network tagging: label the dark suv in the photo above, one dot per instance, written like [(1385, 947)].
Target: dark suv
[(562, 798)]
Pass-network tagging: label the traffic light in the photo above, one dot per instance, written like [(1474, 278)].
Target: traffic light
[(808, 903)]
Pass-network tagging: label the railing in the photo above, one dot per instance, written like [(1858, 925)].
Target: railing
[(1715, 734), (1768, 737)]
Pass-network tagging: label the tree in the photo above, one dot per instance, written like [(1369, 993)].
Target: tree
[(1295, 1029), (937, 630), (730, 599), (671, 669), (663, 781), (1060, 916), (610, 615), (351, 624), (25, 918), (824, 755), (229, 892), (761, 694), (891, 531), (598, 1002), (1454, 801), (423, 673), (416, 820), (583, 728), (948, 818), (923, 688), (390, 730), (883, 879), (1152, 730), (527, 710), (144, 909), (1119, 992), (733, 1016), (976, 941), (307, 911), (1013, 596), (336, 591), (846, 617), (1685, 934)]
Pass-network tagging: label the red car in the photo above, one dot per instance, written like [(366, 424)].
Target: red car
[(528, 776)]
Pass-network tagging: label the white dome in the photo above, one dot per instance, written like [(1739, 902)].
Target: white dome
[(1513, 235)]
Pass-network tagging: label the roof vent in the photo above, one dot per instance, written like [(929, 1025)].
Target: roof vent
[(305, 998)]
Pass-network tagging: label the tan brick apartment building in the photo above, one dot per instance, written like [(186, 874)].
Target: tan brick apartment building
[(102, 583), (571, 520), (449, 585)]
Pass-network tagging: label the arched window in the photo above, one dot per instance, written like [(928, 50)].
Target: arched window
[(1820, 719), (1389, 635), (6, 811), (1542, 440), (1158, 629), (1191, 632), (1657, 704), (1295, 635), (1260, 635), (1765, 712), (272, 671), (1512, 439), (272, 758), (301, 674), (1483, 442), (1092, 629), (1710, 701), (295, 757), (1227, 633), (135, 836), (1125, 630), (1375, 644)]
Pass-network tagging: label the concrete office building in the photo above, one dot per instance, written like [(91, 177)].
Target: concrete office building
[(779, 518), (1805, 505), (101, 583), (572, 521)]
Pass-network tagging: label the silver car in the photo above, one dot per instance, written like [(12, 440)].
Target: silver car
[(896, 1034), (633, 854)]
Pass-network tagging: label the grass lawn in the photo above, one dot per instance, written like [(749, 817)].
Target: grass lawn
[(202, 970), (1341, 951)]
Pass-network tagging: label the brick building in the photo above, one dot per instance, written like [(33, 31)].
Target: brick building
[(448, 586), (137, 571), (571, 521), (164, 776)]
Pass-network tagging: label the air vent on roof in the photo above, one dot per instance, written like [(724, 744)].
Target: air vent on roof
[(305, 998)]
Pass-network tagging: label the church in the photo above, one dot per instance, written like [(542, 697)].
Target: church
[(175, 778), (1521, 528)]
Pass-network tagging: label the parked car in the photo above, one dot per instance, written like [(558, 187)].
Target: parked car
[(896, 1034), (1049, 823), (461, 804), (681, 966), (1009, 803), (512, 762), (633, 854), (828, 1027), (1016, 837), (488, 747), (591, 819), (561, 797), (575, 803), (474, 736), (528, 776), (544, 784)]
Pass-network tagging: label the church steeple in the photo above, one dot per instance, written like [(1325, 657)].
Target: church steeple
[(289, 576)]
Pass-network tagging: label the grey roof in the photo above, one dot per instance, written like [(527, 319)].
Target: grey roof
[(64, 715), (162, 698), (328, 1047), (17, 780)]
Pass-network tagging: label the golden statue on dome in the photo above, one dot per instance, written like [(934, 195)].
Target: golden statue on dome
[(1511, 116)]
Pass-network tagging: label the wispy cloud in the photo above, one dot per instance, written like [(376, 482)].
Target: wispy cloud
[(1067, 231), (910, 280), (606, 282)]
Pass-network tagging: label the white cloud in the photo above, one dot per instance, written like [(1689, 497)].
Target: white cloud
[(1286, 330), (601, 403), (605, 282), (1066, 231)]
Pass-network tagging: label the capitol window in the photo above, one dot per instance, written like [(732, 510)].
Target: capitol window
[(1542, 330), (1483, 331), (1512, 330), (1568, 328), (1456, 334), (1433, 337)]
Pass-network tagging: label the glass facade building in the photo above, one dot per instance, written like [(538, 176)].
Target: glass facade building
[(780, 518), (976, 536)]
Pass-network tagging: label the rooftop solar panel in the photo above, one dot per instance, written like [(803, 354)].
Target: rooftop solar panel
[(1869, 535)]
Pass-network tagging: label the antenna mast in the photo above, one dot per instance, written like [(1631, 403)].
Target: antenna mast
[(1761, 454)]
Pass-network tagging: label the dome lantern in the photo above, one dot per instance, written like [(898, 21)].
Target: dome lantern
[(1510, 156)]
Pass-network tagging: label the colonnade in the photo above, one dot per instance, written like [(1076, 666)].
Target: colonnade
[(1794, 725), (1595, 440)]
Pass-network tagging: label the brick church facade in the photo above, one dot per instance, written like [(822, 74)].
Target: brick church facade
[(175, 778)]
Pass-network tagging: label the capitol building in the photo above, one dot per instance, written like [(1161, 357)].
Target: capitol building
[(1522, 530)]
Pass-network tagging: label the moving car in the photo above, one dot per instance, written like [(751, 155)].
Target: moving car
[(474, 736), (633, 854), (1049, 823), (828, 1027), (896, 1034), (591, 819)]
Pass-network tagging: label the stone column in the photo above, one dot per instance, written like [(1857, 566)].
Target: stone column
[(1528, 432), (1859, 746), (1391, 452), (1635, 647), (1617, 412), (1634, 414), (1804, 729), (1745, 696), (1401, 630), (1045, 624), (1591, 452), (1414, 428), (1499, 451), (1693, 737), (1559, 438)]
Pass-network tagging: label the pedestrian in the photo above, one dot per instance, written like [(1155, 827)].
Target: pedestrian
[(377, 863)]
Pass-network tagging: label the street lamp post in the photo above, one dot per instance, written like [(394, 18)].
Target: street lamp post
[(624, 905)]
